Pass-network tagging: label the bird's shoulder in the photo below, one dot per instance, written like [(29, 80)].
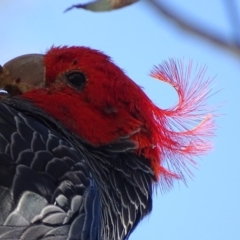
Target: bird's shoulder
[(46, 188)]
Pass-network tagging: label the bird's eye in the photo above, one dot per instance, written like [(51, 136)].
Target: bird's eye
[(76, 79)]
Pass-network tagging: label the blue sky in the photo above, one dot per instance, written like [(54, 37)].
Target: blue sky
[(137, 38)]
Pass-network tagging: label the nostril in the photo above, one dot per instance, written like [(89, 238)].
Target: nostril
[(18, 80)]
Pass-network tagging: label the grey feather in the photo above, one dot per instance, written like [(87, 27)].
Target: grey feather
[(55, 186)]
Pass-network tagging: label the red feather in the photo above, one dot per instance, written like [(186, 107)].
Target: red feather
[(184, 129), (112, 106)]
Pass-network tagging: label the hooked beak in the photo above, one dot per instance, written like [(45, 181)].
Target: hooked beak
[(22, 74)]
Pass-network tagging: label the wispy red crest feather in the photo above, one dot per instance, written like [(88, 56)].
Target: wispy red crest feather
[(182, 131)]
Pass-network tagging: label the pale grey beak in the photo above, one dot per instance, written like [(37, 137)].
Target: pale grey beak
[(22, 74)]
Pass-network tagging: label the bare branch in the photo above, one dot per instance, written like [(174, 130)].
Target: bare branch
[(234, 18), (189, 26)]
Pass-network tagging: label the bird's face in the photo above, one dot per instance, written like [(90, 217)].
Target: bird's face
[(93, 77), (93, 98), (89, 94)]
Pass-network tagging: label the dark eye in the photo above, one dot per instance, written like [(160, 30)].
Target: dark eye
[(76, 79)]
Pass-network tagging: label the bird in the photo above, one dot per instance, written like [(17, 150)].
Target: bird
[(82, 146)]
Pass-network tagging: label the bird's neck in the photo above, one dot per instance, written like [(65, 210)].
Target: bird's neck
[(125, 182)]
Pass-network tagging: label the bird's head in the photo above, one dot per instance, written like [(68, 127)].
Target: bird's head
[(93, 98)]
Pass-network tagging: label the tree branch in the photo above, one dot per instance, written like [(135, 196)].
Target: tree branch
[(188, 25)]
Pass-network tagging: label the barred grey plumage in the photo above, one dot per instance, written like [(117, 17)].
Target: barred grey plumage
[(54, 185)]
